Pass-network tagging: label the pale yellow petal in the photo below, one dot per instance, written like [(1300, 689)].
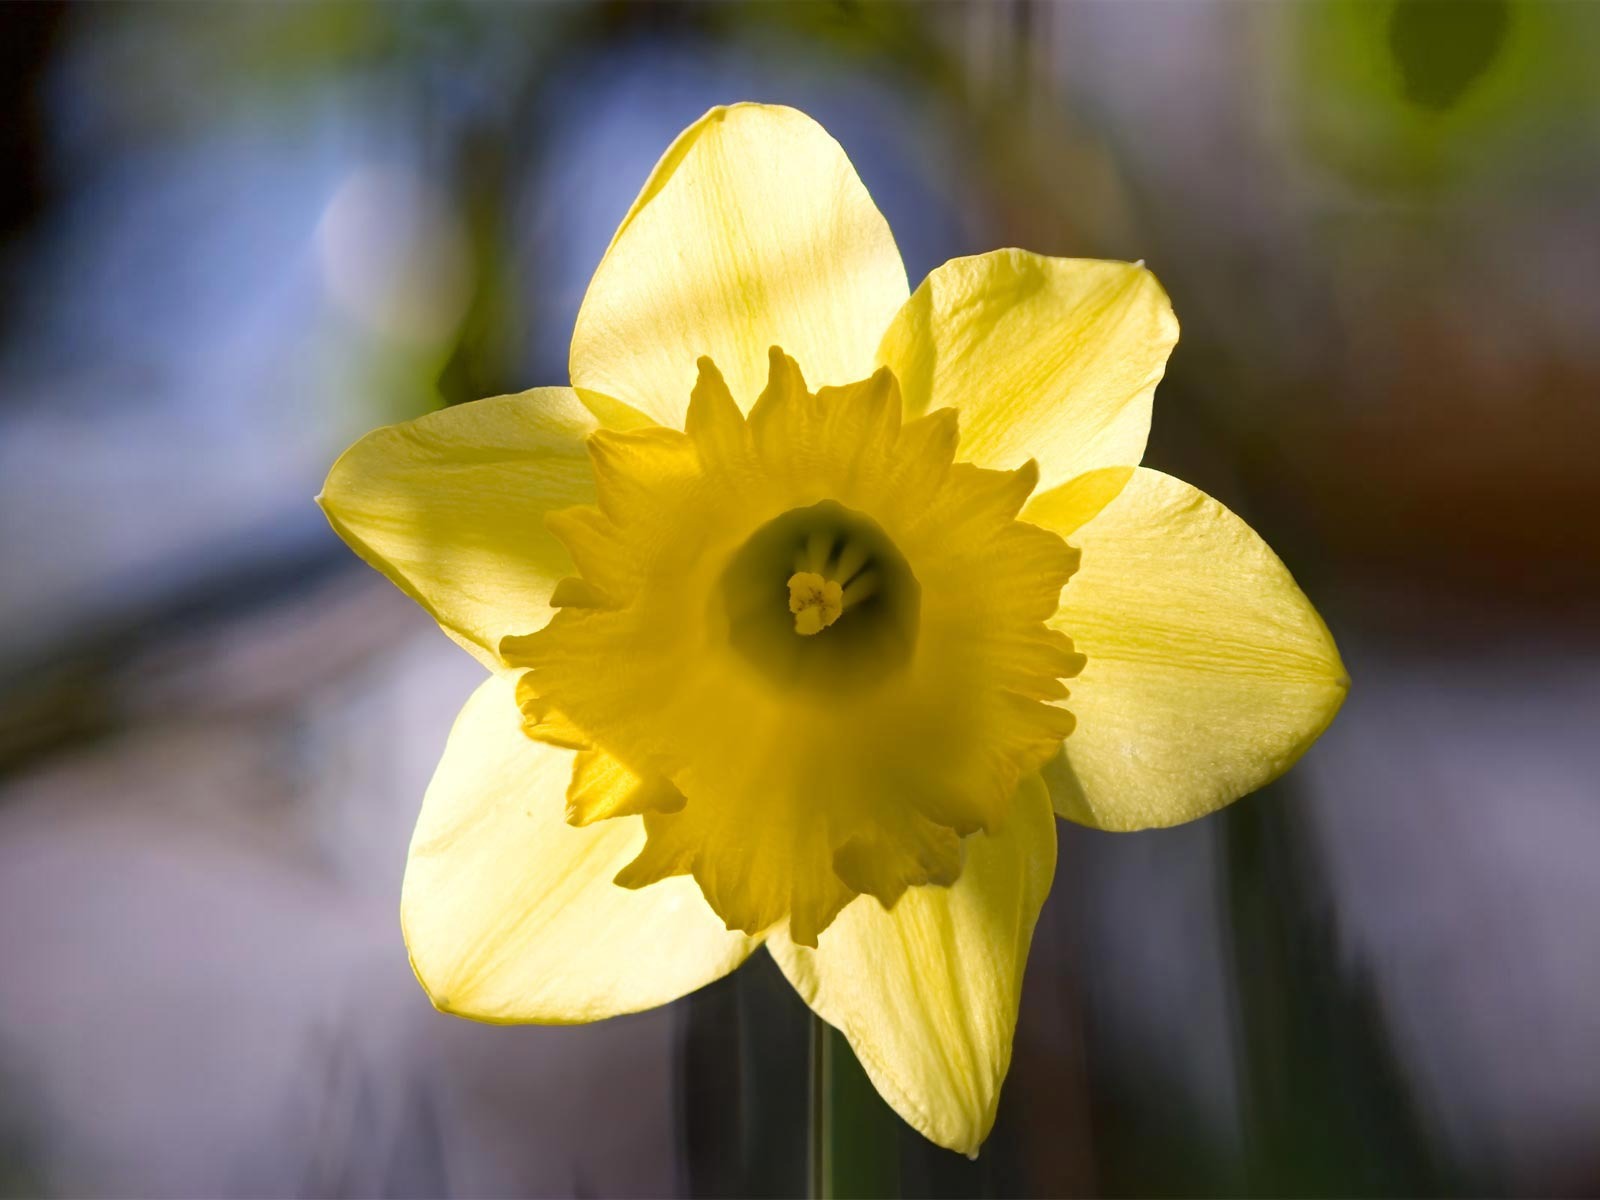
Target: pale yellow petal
[(752, 231), (510, 913), (927, 992), (451, 507), (1054, 359), (1208, 671)]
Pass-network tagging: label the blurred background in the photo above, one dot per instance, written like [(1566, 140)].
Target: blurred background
[(235, 237)]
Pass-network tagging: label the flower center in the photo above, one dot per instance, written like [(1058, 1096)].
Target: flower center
[(815, 601), (822, 567), (799, 715)]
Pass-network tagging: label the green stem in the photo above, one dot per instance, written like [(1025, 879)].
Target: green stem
[(855, 1136), (819, 1185)]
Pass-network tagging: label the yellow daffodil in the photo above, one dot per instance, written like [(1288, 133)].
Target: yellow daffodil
[(778, 600)]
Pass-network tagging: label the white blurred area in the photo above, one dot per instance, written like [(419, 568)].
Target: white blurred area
[(1455, 807), (205, 990), (215, 326), (394, 256)]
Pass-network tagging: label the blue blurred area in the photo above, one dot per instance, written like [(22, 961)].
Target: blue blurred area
[(236, 237)]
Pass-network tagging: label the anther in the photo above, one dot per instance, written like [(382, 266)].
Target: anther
[(815, 602)]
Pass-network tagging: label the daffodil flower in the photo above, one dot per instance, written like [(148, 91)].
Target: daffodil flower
[(808, 607)]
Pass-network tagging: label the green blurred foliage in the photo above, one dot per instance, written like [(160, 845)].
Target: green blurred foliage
[(1421, 93)]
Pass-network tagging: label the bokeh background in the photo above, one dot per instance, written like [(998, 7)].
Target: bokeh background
[(235, 237)]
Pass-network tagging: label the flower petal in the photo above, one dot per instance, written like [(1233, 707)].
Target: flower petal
[(451, 507), (927, 992), (510, 913), (1050, 358), (752, 231), (1208, 670)]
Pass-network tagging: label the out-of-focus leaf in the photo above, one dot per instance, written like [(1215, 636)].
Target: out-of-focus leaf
[(1329, 1108), (1443, 47)]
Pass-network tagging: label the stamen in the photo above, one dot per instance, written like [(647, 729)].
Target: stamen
[(815, 602), (843, 575), (819, 548), (852, 557), (862, 587), (822, 586)]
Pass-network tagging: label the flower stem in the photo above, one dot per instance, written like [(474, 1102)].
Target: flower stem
[(855, 1136), (821, 1124)]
